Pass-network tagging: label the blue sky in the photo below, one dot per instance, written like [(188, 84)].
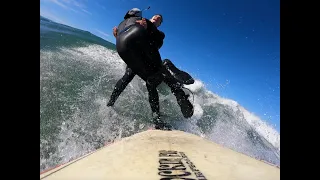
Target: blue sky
[(233, 46)]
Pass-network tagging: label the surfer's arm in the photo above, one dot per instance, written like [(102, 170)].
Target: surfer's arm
[(156, 36), (160, 39), (142, 22)]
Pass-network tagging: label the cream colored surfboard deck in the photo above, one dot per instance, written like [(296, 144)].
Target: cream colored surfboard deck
[(156, 154)]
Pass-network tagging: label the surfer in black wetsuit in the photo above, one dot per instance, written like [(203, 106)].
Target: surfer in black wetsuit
[(138, 42)]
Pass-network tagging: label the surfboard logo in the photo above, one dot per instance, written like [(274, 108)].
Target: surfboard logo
[(174, 165)]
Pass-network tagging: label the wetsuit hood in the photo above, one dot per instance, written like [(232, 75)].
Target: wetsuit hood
[(134, 12)]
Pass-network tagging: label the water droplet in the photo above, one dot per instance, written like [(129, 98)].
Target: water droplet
[(141, 126)]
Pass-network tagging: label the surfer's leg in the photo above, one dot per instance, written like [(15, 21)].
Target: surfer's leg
[(154, 103), (153, 99), (182, 99), (121, 85), (180, 76)]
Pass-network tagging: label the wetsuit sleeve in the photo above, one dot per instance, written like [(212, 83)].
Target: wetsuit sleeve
[(156, 36), (160, 39)]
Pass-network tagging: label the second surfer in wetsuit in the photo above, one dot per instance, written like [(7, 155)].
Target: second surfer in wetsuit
[(157, 41), (139, 49)]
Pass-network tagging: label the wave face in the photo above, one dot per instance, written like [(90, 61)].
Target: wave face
[(78, 71)]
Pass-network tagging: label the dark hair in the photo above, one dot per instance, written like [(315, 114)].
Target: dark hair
[(160, 16)]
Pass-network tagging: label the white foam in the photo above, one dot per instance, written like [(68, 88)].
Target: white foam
[(262, 127), (195, 87)]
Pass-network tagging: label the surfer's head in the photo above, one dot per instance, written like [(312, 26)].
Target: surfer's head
[(157, 20)]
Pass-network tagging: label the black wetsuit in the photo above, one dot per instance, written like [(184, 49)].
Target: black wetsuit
[(139, 47), (140, 53)]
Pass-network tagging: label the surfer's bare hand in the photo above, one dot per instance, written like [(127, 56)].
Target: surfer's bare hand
[(114, 31), (142, 22)]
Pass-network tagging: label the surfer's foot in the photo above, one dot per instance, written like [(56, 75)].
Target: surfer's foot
[(159, 123), (185, 105), (162, 126)]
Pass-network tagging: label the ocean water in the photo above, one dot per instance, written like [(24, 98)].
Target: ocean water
[(78, 71)]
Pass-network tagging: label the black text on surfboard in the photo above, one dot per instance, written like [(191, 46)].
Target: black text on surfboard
[(175, 165)]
